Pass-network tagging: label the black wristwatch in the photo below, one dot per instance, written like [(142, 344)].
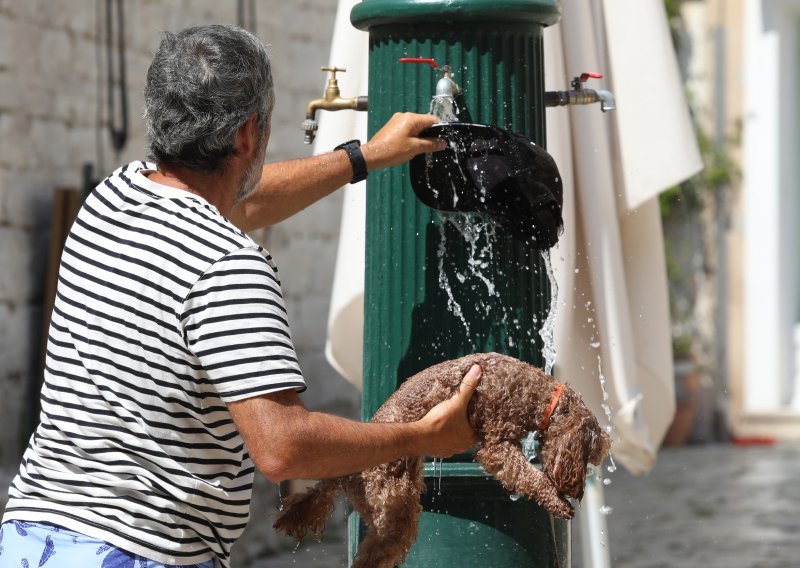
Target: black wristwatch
[(357, 161)]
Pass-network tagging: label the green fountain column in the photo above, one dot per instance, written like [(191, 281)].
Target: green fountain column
[(439, 286)]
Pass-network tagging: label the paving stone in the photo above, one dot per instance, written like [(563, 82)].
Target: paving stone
[(706, 505), (715, 506)]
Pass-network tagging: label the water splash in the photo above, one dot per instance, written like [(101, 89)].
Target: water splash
[(477, 234), (436, 477), (444, 106), (441, 469), (605, 406), (529, 445), (612, 467), (444, 282), (547, 332)]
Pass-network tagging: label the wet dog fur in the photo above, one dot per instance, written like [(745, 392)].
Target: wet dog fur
[(511, 400)]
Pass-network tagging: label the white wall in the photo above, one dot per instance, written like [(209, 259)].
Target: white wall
[(770, 204), (48, 104)]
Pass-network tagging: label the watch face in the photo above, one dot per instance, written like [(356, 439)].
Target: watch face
[(348, 144)]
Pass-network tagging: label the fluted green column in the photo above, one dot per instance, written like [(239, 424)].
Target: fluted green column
[(441, 286)]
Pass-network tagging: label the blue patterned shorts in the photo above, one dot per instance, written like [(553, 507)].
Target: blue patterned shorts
[(41, 545)]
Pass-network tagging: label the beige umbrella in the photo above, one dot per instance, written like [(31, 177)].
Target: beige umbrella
[(613, 313), (344, 344)]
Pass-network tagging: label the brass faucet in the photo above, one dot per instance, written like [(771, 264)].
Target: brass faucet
[(331, 101)]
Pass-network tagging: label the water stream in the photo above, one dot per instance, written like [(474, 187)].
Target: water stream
[(444, 106), (478, 234), (547, 332)]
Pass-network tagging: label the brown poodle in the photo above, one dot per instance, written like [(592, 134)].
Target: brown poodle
[(512, 399)]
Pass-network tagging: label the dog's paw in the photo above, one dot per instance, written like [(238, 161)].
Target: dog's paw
[(561, 508)]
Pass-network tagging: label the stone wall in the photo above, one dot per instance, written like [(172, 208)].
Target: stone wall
[(50, 90)]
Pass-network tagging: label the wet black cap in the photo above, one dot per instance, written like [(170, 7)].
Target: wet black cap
[(494, 171)]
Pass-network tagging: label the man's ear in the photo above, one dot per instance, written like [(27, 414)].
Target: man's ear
[(247, 137)]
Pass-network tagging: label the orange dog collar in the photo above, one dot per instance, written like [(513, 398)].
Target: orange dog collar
[(553, 402)]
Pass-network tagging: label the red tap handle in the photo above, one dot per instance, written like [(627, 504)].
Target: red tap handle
[(585, 76), (426, 60)]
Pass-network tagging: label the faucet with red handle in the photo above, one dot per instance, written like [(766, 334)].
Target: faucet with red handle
[(582, 96)]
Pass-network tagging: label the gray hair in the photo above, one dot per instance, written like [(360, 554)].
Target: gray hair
[(202, 86)]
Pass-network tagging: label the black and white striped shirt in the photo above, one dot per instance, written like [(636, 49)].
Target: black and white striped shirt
[(164, 313)]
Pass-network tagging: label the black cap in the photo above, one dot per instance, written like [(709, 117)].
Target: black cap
[(490, 170)]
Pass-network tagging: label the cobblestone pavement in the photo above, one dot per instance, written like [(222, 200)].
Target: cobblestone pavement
[(709, 506)]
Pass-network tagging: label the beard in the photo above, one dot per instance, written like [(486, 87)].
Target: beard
[(248, 182)]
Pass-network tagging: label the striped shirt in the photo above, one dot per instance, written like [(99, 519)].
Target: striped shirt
[(164, 313)]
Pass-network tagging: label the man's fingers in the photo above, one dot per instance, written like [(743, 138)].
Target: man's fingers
[(422, 121), (430, 145), (470, 381)]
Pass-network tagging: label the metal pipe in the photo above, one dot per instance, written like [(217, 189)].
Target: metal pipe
[(581, 97)]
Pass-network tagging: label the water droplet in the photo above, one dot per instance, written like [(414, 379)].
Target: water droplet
[(606, 510), (547, 332), (606, 481)]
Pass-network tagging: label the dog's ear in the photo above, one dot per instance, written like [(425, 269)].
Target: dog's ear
[(578, 445), (567, 463)]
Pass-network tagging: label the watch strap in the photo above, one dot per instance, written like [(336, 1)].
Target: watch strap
[(357, 161)]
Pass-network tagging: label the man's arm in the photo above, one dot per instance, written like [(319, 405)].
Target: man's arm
[(286, 441), (289, 187)]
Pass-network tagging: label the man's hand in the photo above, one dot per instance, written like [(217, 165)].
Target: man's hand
[(398, 141), (450, 431)]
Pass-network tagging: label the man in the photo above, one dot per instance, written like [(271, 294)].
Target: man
[(170, 373)]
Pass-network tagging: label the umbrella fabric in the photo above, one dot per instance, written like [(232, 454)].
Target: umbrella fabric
[(345, 337), (612, 322)]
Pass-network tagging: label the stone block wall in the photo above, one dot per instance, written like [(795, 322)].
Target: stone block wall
[(53, 120)]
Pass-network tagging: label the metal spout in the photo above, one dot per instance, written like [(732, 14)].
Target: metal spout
[(331, 101), (446, 86), (607, 100), (580, 96)]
